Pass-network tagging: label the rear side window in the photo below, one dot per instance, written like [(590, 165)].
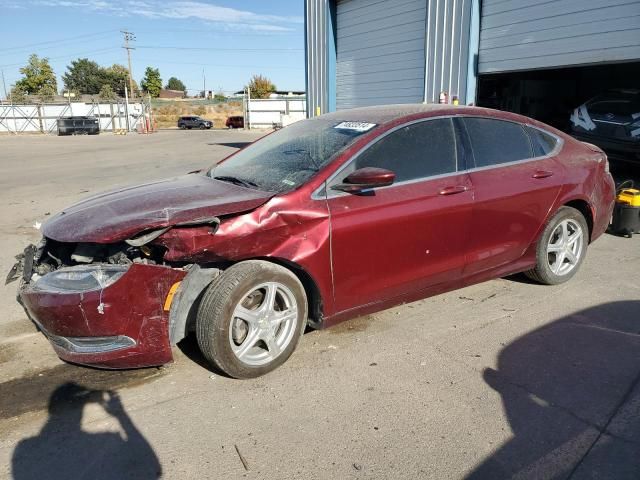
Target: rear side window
[(496, 141), (543, 143), (416, 151)]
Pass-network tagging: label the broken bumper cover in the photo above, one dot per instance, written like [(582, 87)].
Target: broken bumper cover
[(90, 344), (122, 325)]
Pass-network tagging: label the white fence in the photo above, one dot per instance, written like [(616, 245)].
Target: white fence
[(264, 113), (43, 118)]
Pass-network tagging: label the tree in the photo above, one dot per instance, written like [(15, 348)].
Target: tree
[(38, 74), (261, 87), (152, 82), (175, 84), (84, 76), (18, 95), (118, 76), (107, 93), (220, 97), (46, 93)]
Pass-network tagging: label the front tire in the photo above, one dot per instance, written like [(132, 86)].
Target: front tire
[(251, 318), (561, 248)]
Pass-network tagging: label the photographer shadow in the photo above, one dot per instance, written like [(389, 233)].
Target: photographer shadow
[(62, 450), (571, 393)]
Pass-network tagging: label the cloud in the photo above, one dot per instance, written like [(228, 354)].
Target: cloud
[(231, 18)]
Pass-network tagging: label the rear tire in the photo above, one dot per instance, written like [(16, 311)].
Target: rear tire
[(561, 248), (251, 318)]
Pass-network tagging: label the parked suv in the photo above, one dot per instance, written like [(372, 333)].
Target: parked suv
[(235, 122), (194, 122), (611, 121), (78, 126)]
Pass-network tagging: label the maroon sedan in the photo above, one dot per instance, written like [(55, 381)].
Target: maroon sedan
[(330, 218)]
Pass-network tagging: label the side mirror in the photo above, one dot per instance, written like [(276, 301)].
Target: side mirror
[(365, 179)]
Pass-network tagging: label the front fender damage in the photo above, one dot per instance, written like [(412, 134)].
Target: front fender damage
[(186, 300), (294, 236)]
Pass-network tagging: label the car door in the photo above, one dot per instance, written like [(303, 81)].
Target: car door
[(516, 180), (406, 237)]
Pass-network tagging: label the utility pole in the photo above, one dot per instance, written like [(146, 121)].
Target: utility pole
[(204, 85), (128, 37), (4, 85), (249, 107)]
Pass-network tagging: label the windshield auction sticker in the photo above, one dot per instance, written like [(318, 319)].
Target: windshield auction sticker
[(356, 126)]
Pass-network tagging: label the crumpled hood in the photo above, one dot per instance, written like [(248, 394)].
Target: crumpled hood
[(121, 214)]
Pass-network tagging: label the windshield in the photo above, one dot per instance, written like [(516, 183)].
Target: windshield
[(286, 159)]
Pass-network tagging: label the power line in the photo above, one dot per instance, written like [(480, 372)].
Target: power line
[(225, 33), (169, 47), (86, 35), (71, 55), (50, 47), (217, 65)]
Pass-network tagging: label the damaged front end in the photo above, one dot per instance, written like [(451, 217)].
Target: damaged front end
[(100, 305), (118, 278)]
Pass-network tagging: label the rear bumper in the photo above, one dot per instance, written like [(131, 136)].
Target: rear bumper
[(121, 326), (604, 199)]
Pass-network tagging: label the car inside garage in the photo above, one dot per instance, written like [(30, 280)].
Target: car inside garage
[(551, 95), (546, 60)]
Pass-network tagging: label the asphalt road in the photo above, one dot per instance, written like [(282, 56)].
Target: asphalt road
[(506, 379)]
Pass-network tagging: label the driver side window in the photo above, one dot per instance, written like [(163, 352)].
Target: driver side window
[(420, 150)]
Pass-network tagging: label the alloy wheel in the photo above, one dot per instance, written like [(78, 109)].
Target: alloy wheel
[(263, 323), (565, 247)]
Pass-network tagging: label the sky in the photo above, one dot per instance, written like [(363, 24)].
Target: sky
[(227, 40)]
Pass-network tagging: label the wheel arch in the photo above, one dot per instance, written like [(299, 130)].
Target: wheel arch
[(584, 207), (314, 297)]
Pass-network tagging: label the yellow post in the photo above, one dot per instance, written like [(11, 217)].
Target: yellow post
[(317, 111)]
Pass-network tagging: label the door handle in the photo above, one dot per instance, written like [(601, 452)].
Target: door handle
[(453, 190), (542, 174)]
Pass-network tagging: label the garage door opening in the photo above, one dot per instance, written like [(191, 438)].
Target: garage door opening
[(551, 95)]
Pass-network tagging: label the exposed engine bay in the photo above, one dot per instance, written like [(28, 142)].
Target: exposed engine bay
[(50, 255)]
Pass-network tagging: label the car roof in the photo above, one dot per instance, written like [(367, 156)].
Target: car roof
[(618, 93), (382, 114)]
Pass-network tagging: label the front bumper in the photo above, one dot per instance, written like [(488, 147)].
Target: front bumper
[(123, 325)]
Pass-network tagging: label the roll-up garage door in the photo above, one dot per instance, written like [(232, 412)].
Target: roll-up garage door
[(531, 34), (380, 52)]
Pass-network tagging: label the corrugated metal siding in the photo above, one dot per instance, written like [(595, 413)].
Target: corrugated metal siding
[(316, 12), (528, 34), (447, 48), (380, 52)]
